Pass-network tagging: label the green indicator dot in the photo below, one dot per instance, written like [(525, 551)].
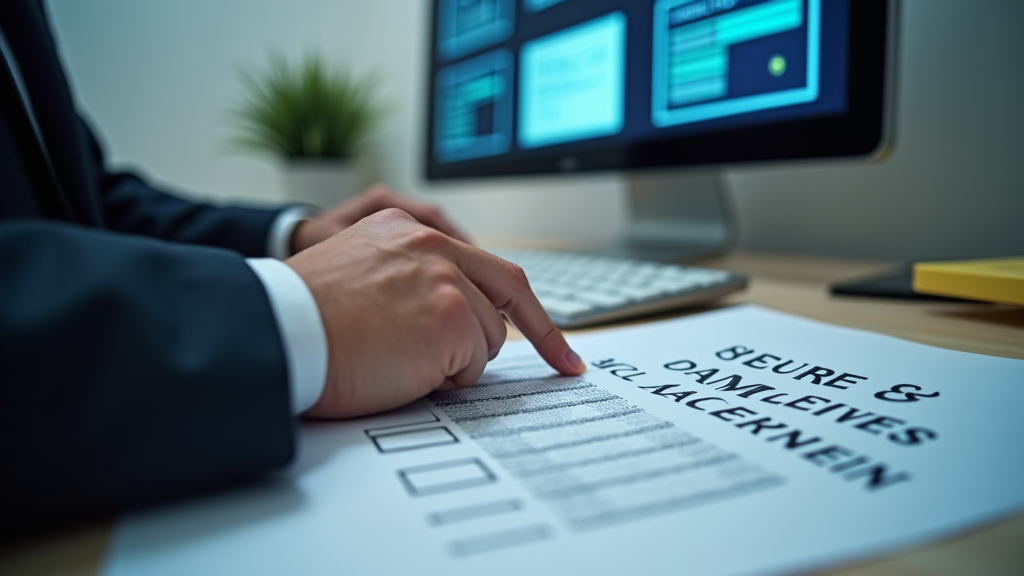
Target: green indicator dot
[(777, 65)]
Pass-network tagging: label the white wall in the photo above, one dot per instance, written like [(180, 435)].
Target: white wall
[(158, 77)]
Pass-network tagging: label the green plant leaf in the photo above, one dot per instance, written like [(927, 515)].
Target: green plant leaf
[(304, 110)]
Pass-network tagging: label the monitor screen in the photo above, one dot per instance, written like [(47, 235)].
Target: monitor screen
[(535, 86)]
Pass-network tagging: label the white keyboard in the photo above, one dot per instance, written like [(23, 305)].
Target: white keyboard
[(581, 290)]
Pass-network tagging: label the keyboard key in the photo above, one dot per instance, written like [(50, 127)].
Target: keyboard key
[(579, 289), (565, 308), (640, 293), (675, 286), (602, 299)]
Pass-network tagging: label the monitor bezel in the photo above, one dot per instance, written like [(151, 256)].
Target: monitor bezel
[(860, 130)]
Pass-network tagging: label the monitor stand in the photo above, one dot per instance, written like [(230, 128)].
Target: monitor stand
[(675, 216)]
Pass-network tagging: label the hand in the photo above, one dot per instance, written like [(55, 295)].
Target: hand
[(375, 199), (409, 310)]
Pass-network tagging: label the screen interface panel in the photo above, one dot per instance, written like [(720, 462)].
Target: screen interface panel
[(515, 79)]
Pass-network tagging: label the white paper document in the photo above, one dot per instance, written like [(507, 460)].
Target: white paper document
[(741, 441)]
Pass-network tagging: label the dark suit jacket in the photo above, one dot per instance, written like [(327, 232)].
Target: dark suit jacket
[(139, 358)]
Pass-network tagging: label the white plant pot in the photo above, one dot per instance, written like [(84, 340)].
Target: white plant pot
[(319, 182)]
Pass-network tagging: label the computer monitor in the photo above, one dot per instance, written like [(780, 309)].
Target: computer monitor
[(666, 90)]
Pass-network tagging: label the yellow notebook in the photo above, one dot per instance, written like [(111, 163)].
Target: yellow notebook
[(993, 280)]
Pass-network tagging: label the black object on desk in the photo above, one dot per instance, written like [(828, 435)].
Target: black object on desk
[(895, 283)]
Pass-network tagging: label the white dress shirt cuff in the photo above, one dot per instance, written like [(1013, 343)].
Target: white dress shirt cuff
[(301, 329), (279, 241)]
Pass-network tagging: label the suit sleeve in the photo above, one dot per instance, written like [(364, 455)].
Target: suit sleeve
[(130, 204), (131, 371)]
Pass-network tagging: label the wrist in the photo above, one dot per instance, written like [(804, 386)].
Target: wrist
[(281, 237), (300, 237)]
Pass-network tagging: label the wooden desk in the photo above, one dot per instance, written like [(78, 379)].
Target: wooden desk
[(790, 284)]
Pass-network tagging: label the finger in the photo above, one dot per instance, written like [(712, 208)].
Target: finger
[(478, 358), (448, 385), (507, 288), (490, 319), (428, 216), (435, 219), (370, 201)]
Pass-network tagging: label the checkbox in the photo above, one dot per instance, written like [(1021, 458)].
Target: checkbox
[(446, 477), (414, 439)]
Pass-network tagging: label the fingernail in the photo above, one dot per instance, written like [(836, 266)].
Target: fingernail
[(575, 360)]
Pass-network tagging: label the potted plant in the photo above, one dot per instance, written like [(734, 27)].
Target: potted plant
[(314, 118)]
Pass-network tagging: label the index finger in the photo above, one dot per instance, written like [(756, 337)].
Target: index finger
[(506, 286)]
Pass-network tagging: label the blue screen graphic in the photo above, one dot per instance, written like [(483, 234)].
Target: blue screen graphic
[(572, 83), (466, 26), (515, 79), (531, 6), (474, 107), (719, 58)]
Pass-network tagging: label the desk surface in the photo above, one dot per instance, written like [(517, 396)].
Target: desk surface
[(790, 284)]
